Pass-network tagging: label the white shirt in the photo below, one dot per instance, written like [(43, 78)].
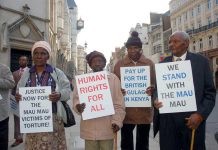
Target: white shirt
[(183, 57)]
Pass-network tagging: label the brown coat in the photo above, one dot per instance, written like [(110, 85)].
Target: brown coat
[(137, 115), (101, 128)]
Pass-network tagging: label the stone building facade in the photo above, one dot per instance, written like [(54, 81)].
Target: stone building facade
[(199, 18), (24, 22)]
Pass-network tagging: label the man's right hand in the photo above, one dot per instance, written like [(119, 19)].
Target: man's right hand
[(123, 91), (158, 104), (18, 97), (80, 107)]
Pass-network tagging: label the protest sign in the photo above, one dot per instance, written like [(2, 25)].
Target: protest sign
[(35, 110), (135, 80), (94, 91), (14, 106), (175, 87)]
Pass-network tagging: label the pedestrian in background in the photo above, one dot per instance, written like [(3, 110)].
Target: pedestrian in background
[(43, 74), (6, 83), (140, 117), (23, 61), (99, 132), (175, 129)]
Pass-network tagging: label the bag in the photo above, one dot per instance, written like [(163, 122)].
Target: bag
[(70, 120)]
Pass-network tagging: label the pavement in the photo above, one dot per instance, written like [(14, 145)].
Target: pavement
[(74, 142)]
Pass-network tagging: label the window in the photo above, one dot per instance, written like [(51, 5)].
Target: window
[(201, 44), (209, 20), (192, 12), (210, 39), (217, 2), (199, 8), (199, 24), (186, 16), (174, 22), (194, 46), (216, 17), (216, 39), (192, 26), (180, 19), (209, 4)]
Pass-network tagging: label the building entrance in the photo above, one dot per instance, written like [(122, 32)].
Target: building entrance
[(15, 54)]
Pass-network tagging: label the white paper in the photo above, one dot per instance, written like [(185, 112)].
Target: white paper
[(135, 80), (35, 110), (94, 91), (175, 87)]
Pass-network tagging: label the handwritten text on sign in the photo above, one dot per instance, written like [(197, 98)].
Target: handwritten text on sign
[(175, 87), (135, 80), (35, 110), (94, 91)]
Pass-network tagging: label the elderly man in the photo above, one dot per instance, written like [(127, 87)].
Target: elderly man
[(6, 83), (176, 128), (98, 132), (136, 116)]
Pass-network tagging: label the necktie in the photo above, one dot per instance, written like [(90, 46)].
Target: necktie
[(178, 59)]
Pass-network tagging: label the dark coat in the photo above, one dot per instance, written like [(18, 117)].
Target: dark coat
[(205, 91)]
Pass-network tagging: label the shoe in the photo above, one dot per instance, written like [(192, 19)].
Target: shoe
[(17, 142)]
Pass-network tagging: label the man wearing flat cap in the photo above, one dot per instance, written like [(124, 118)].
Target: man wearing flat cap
[(136, 116), (101, 138)]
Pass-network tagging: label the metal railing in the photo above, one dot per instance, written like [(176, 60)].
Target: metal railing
[(203, 28)]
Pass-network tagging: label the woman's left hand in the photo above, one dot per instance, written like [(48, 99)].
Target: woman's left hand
[(54, 96)]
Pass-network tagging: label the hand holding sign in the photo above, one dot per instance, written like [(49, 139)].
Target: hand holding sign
[(18, 97), (158, 104), (54, 96), (150, 90), (80, 107)]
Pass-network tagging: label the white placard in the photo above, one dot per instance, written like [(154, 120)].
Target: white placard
[(175, 87), (94, 91), (14, 106), (35, 110), (135, 80), (1, 97)]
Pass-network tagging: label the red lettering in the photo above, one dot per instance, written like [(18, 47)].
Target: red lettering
[(95, 97), (97, 108)]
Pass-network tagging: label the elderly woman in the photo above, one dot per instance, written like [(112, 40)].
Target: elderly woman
[(43, 74), (101, 138)]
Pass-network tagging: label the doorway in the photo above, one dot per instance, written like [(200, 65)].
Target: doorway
[(15, 54)]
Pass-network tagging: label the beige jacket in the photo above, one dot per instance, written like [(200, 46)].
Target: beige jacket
[(137, 115), (101, 128)]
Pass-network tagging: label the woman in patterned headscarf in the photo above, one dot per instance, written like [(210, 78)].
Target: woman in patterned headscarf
[(43, 74)]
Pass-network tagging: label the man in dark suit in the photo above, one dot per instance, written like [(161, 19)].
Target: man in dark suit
[(175, 129), (23, 61)]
